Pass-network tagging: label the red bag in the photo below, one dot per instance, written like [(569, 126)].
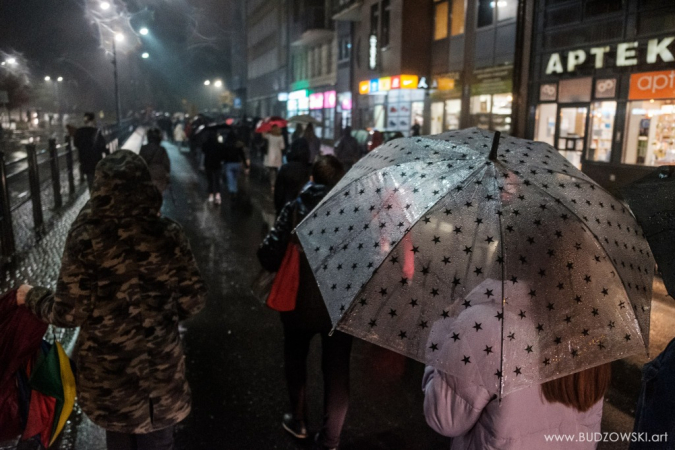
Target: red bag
[(285, 287)]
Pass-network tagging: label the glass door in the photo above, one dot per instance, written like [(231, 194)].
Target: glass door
[(571, 141)]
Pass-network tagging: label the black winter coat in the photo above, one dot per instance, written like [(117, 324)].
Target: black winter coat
[(310, 311), (293, 175)]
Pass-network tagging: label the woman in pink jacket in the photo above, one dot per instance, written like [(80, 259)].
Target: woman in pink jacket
[(564, 413)]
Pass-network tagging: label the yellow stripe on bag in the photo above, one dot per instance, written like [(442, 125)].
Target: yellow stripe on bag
[(68, 381)]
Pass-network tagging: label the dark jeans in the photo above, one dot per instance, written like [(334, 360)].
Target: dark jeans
[(156, 440), (335, 353), (213, 177)]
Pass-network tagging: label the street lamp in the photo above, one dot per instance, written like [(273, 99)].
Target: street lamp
[(59, 79), (48, 78), (11, 61), (207, 83), (118, 110), (218, 83), (105, 6), (145, 55), (144, 31)]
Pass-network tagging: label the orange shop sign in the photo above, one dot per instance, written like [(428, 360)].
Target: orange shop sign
[(652, 85)]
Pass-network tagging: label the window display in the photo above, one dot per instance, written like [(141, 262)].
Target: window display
[(650, 133), (602, 127), (544, 126), (572, 132), (453, 109), (436, 117)]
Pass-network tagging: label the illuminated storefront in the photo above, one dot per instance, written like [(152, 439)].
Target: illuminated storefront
[(393, 103), (320, 105), (609, 108), (446, 103)]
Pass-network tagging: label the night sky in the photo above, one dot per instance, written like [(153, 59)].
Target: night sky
[(189, 41)]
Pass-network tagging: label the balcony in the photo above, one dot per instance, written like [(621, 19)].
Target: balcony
[(347, 10)]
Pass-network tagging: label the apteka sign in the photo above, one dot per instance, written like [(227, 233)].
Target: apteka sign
[(627, 54)]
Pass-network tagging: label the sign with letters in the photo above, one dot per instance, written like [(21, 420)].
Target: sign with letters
[(627, 54), (652, 85)]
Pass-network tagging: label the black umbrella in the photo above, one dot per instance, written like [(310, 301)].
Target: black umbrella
[(652, 200)]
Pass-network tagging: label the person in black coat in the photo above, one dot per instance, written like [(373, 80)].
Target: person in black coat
[(214, 154), (91, 147), (293, 175), (309, 318)]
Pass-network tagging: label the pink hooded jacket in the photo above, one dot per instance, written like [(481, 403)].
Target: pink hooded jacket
[(523, 421)]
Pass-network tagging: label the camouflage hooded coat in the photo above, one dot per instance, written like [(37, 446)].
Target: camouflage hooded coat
[(127, 278)]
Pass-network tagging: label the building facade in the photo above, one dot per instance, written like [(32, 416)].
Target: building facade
[(602, 85), (313, 65), (267, 57), (391, 63)]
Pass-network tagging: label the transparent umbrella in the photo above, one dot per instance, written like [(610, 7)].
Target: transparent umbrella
[(511, 267)]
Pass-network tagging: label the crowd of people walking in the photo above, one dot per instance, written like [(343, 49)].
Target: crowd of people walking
[(128, 278)]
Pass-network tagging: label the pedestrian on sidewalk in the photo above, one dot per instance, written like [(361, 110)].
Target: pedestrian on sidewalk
[(347, 149), (476, 419), (234, 157), (275, 151), (128, 277), (91, 147), (293, 175), (157, 159), (314, 143), (310, 318), (214, 154), (179, 136), (297, 133)]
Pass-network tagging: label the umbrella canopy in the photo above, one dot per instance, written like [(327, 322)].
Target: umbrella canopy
[(652, 199), (304, 118), (265, 126), (429, 247)]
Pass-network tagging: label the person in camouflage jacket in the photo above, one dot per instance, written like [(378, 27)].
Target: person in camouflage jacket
[(127, 278)]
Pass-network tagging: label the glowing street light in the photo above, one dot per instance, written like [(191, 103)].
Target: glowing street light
[(119, 37), (207, 83), (145, 55), (48, 78), (11, 61), (105, 6), (144, 31), (59, 79), (218, 83)]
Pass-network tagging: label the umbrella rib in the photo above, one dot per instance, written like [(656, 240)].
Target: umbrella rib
[(501, 341), (597, 238)]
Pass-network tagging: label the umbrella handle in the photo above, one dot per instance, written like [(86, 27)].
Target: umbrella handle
[(495, 146)]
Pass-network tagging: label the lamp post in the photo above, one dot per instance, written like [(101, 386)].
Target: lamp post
[(116, 38)]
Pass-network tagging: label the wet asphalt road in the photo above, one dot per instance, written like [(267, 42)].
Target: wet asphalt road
[(234, 346)]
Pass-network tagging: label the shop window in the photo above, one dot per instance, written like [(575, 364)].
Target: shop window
[(440, 21), (572, 133), (417, 117), (486, 12), (437, 117), (602, 129), (491, 112), (386, 14), (506, 9), (649, 138), (594, 8), (453, 109), (544, 124)]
